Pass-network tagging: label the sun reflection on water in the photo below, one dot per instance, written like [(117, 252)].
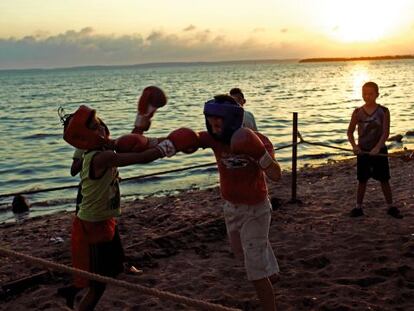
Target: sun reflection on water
[(359, 75)]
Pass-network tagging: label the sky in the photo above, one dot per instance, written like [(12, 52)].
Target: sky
[(67, 33)]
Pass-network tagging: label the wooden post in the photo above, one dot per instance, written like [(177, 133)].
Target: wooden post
[(294, 156)]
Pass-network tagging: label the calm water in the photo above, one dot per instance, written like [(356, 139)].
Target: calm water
[(34, 156)]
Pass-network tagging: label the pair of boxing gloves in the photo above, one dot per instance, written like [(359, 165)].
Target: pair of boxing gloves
[(243, 141)]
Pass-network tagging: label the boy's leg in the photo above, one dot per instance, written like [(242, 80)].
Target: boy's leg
[(357, 210), (363, 174), (260, 261), (362, 186), (233, 217), (91, 299), (386, 190), (392, 210), (69, 293), (381, 172), (264, 290)]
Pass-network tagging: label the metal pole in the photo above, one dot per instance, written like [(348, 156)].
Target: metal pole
[(294, 155)]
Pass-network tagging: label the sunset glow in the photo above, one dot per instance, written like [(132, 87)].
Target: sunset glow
[(77, 33), (364, 21)]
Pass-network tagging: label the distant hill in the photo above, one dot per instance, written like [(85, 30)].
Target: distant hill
[(163, 64), (349, 59)]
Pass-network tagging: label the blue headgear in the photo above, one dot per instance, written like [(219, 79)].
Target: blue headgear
[(231, 113)]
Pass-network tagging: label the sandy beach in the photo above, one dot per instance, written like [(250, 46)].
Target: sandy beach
[(328, 260)]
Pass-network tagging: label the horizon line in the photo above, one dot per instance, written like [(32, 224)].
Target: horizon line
[(247, 61), (156, 64)]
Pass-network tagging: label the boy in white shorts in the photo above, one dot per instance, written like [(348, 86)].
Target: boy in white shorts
[(244, 158)]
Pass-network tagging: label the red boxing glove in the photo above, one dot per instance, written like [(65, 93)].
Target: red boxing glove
[(150, 100), (131, 143), (151, 97), (185, 140), (245, 141)]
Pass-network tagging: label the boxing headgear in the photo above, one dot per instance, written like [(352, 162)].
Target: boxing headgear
[(77, 133), (225, 107)]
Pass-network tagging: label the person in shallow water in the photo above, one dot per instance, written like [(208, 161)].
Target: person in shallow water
[(20, 208)]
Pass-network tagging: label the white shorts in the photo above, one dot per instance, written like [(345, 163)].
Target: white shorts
[(248, 231)]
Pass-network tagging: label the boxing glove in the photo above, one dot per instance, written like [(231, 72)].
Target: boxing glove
[(131, 143), (245, 141), (185, 140), (150, 100)]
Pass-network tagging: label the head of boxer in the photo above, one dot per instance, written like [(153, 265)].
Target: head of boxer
[(223, 117), (84, 130)]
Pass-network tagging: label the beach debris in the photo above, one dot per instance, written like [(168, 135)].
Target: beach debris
[(397, 138), (20, 204), (131, 269), (56, 240)]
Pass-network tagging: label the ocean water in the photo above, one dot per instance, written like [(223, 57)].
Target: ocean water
[(33, 154)]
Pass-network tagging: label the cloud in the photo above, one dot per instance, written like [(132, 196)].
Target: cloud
[(86, 47), (190, 28)]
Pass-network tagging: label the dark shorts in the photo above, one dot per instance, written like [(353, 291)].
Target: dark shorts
[(375, 167), (106, 258)]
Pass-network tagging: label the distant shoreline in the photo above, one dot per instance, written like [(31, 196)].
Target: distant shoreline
[(349, 59), (159, 64), (206, 63)]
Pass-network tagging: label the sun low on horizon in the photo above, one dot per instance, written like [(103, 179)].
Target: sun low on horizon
[(354, 21)]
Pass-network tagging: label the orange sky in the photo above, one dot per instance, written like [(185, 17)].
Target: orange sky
[(50, 33)]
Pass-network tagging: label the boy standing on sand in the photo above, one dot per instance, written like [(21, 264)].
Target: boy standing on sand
[(243, 158), (373, 121), (248, 118), (96, 245)]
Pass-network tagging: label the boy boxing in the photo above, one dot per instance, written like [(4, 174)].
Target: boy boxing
[(244, 158), (96, 244)]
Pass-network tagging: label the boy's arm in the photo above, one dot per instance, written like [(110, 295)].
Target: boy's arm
[(254, 124), (109, 158), (351, 130), (385, 133), (205, 140), (76, 166), (259, 148), (273, 171)]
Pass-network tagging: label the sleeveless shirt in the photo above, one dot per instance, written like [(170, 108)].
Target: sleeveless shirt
[(370, 127)]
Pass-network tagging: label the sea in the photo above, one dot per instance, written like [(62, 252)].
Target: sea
[(34, 157)]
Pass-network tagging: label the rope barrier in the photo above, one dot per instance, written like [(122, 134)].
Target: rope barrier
[(12, 194), (146, 290), (390, 155), (301, 140)]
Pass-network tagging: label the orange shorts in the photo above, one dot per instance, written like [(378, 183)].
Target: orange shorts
[(96, 247)]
